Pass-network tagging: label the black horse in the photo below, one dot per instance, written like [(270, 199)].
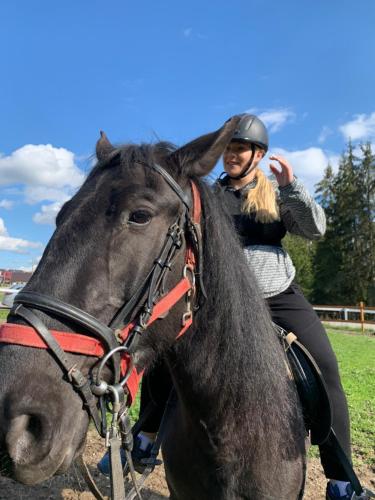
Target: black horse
[(237, 431)]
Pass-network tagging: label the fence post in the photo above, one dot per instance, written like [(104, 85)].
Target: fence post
[(362, 315)]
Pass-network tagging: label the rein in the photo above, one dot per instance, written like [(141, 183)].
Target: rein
[(117, 342)]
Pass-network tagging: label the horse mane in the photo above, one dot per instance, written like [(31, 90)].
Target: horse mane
[(235, 351)]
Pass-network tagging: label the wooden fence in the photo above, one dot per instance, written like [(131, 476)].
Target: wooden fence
[(360, 314)]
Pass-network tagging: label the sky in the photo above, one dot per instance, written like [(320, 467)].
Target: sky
[(163, 69)]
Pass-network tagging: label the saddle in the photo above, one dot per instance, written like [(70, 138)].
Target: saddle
[(311, 388)]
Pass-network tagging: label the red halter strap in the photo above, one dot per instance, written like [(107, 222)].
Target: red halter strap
[(12, 333)]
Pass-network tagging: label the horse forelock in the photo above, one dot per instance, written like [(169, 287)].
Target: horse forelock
[(131, 155)]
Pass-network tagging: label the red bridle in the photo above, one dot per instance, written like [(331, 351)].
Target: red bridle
[(12, 333)]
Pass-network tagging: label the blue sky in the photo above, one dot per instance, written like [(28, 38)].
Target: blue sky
[(173, 70)]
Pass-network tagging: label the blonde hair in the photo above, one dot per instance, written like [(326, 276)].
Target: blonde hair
[(261, 200)]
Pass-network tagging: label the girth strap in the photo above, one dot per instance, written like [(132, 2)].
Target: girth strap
[(333, 442)]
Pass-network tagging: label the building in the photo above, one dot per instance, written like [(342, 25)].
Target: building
[(9, 276)]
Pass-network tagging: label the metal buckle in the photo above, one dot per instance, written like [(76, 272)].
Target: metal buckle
[(188, 314), (186, 317), (189, 268)]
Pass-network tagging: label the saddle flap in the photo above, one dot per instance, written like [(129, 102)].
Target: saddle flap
[(312, 391)]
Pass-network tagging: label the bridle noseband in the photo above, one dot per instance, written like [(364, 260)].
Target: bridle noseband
[(116, 342)]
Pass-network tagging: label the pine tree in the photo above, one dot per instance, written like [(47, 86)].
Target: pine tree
[(366, 222), (344, 260), (345, 225), (327, 255)]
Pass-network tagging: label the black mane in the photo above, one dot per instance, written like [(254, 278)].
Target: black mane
[(235, 350)]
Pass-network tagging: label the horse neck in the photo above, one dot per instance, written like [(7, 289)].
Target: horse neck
[(231, 363)]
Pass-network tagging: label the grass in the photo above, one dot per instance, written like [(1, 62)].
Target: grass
[(3, 314), (134, 409), (342, 328), (356, 358)]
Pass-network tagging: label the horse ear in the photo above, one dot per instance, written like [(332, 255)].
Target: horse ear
[(198, 157), (103, 147)]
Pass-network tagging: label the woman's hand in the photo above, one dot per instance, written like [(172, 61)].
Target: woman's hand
[(285, 176)]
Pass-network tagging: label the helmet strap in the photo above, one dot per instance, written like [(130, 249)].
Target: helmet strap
[(247, 167)]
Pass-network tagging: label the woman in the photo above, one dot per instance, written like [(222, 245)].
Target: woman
[(263, 212)]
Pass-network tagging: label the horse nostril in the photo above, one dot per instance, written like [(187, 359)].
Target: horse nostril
[(25, 438), (34, 426)]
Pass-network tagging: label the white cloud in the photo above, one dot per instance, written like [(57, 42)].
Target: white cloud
[(48, 213), (35, 174), (17, 245), (44, 173), (3, 230), (325, 132), (36, 194), (190, 33), (7, 204), (308, 164), (40, 165), (362, 127), (274, 119)]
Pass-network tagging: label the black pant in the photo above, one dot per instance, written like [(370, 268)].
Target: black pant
[(156, 387), (291, 311)]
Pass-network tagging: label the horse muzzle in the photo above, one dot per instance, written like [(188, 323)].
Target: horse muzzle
[(37, 438), (33, 450)]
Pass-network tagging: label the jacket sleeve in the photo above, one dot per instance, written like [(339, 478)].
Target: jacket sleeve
[(299, 211)]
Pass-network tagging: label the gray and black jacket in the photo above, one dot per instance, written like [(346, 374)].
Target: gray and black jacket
[(262, 242)]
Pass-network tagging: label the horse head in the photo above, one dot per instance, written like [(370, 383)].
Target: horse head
[(108, 241)]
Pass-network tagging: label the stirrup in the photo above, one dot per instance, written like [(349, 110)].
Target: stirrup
[(366, 495)]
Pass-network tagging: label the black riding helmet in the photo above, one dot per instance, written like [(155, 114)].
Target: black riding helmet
[(252, 130)]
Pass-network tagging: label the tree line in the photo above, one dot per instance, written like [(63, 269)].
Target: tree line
[(339, 268)]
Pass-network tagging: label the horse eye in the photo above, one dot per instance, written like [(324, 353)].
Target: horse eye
[(140, 217), (111, 210)]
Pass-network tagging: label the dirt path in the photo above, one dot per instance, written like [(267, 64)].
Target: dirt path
[(71, 486)]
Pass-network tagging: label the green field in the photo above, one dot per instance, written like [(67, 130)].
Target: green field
[(3, 314), (356, 358)]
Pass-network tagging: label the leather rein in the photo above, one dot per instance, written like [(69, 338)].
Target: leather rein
[(116, 342)]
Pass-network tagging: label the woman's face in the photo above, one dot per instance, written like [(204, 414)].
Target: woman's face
[(237, 156)]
